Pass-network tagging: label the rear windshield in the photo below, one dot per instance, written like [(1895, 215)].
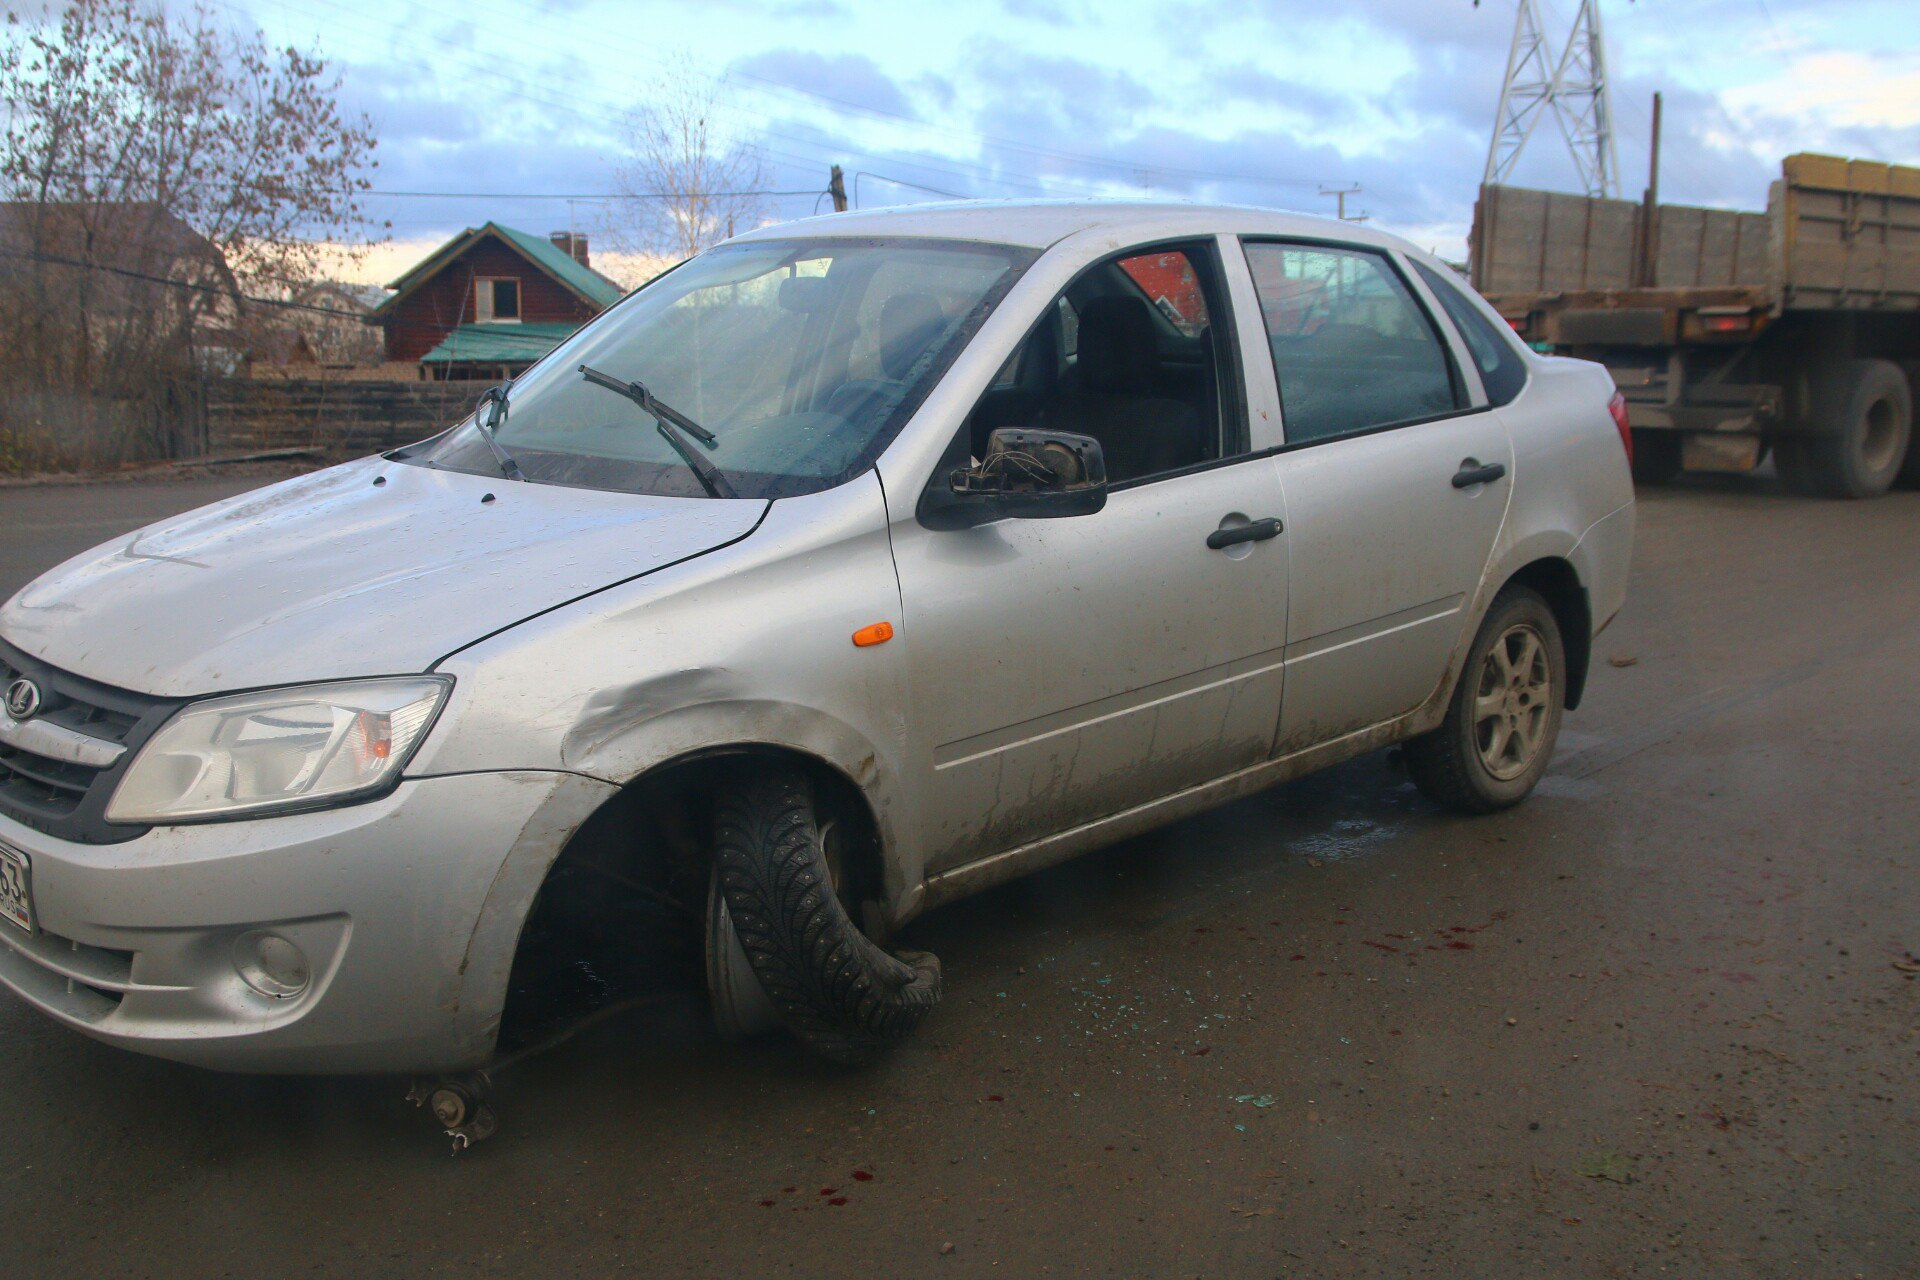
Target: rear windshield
[(801, 358)]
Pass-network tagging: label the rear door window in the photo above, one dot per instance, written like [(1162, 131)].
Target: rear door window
[(1502, 371), (1352, 349)]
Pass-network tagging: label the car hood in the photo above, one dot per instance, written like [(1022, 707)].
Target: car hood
[(371, 568)]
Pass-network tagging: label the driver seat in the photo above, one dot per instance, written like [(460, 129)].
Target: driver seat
[(1119, 402)]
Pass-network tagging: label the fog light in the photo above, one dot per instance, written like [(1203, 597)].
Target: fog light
[(271, 965)]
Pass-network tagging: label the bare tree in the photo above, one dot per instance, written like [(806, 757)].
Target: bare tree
[(157, 168), (685, 184)]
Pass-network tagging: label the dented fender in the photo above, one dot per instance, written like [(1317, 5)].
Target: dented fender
[(746, 646), (706, 726)]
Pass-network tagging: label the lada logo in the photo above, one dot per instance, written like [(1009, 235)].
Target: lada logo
[(23, 699)]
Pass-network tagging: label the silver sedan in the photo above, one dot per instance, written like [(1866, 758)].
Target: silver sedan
[(856, 565)]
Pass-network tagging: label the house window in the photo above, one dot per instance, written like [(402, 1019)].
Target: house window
[(496, 300)]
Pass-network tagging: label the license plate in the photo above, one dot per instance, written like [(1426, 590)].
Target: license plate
[(16, 899)]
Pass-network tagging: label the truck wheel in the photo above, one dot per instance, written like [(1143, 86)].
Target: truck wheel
[(844, 997), (1656, 456), (1500, 729), (1909, 477), (1866, 409)]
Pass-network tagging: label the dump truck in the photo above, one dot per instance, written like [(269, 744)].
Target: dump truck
[(1733, 335)]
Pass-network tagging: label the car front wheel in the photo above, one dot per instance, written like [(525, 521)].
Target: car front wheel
[(1501, 726), (844, 997)]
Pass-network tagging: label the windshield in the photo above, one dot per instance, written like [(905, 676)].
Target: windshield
[(801, 358)]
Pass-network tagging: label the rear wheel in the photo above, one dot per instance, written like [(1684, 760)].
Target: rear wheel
[(1909, 477), (1503, 721), (1864, 415)]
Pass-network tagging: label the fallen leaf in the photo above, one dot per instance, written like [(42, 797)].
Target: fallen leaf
[(1622, 660), (1610, 1165)]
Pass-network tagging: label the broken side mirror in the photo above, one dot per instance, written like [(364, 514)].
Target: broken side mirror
[(1025, 475)]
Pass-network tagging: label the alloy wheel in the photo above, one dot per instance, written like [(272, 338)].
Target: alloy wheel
[(1513, 701)]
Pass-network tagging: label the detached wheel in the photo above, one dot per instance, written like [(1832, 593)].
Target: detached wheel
[(828, 983), (1865, 412), (1500, 729)]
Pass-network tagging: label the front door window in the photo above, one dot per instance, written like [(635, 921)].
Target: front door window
[(1128, 354)]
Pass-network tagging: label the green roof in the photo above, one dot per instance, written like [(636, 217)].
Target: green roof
[(582, 279), (498, 343), (543, 253)]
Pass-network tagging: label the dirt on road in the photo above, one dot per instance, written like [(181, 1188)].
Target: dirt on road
[(1659, 1020)]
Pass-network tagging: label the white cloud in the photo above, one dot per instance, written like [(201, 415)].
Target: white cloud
[(1839, 88)]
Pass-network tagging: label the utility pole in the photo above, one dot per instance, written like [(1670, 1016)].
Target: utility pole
[(837, 188), (1573, 89), (1650, 210), (1340, 195)]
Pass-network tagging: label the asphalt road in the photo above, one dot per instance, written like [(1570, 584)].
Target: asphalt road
[(1328, 1031)]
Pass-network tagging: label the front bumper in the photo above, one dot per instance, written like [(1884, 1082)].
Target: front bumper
[(408, 909)]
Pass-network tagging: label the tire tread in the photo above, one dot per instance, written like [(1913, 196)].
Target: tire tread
[(844, 997)]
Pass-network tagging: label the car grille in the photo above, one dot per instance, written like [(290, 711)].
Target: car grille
[(58, 796), (86, 982)]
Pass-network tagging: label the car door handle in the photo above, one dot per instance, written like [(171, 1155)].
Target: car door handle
[(1467, 477), (1254, 531)]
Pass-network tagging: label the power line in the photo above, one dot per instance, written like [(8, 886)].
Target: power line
[(575, 195), (900, 182), (56, 260), (1051, 153)]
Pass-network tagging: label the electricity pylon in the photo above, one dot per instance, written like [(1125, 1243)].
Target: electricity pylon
[(1573, 88)]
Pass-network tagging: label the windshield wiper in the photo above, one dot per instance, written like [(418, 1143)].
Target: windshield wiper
[(670, 423), (485, 419)]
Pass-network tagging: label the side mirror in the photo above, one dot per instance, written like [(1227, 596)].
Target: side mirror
[(1025, 475)]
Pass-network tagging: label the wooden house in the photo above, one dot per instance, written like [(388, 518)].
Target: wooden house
[(490, 302)]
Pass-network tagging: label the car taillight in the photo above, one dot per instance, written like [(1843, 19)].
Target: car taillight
[(1618, 408)]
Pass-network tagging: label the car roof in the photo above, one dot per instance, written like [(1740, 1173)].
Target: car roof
[(1042, 223)]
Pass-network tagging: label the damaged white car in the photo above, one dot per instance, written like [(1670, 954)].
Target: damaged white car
[(853, 566)]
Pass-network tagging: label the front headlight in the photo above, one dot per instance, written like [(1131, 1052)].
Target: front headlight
[(303, 748)]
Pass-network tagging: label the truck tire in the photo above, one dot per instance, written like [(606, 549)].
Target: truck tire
[(1865, 410), (1504, 718), (844, 997), (1656, 456), (1909, 477)]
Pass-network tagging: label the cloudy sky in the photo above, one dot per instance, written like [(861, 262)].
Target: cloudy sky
[(1251, 101)]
